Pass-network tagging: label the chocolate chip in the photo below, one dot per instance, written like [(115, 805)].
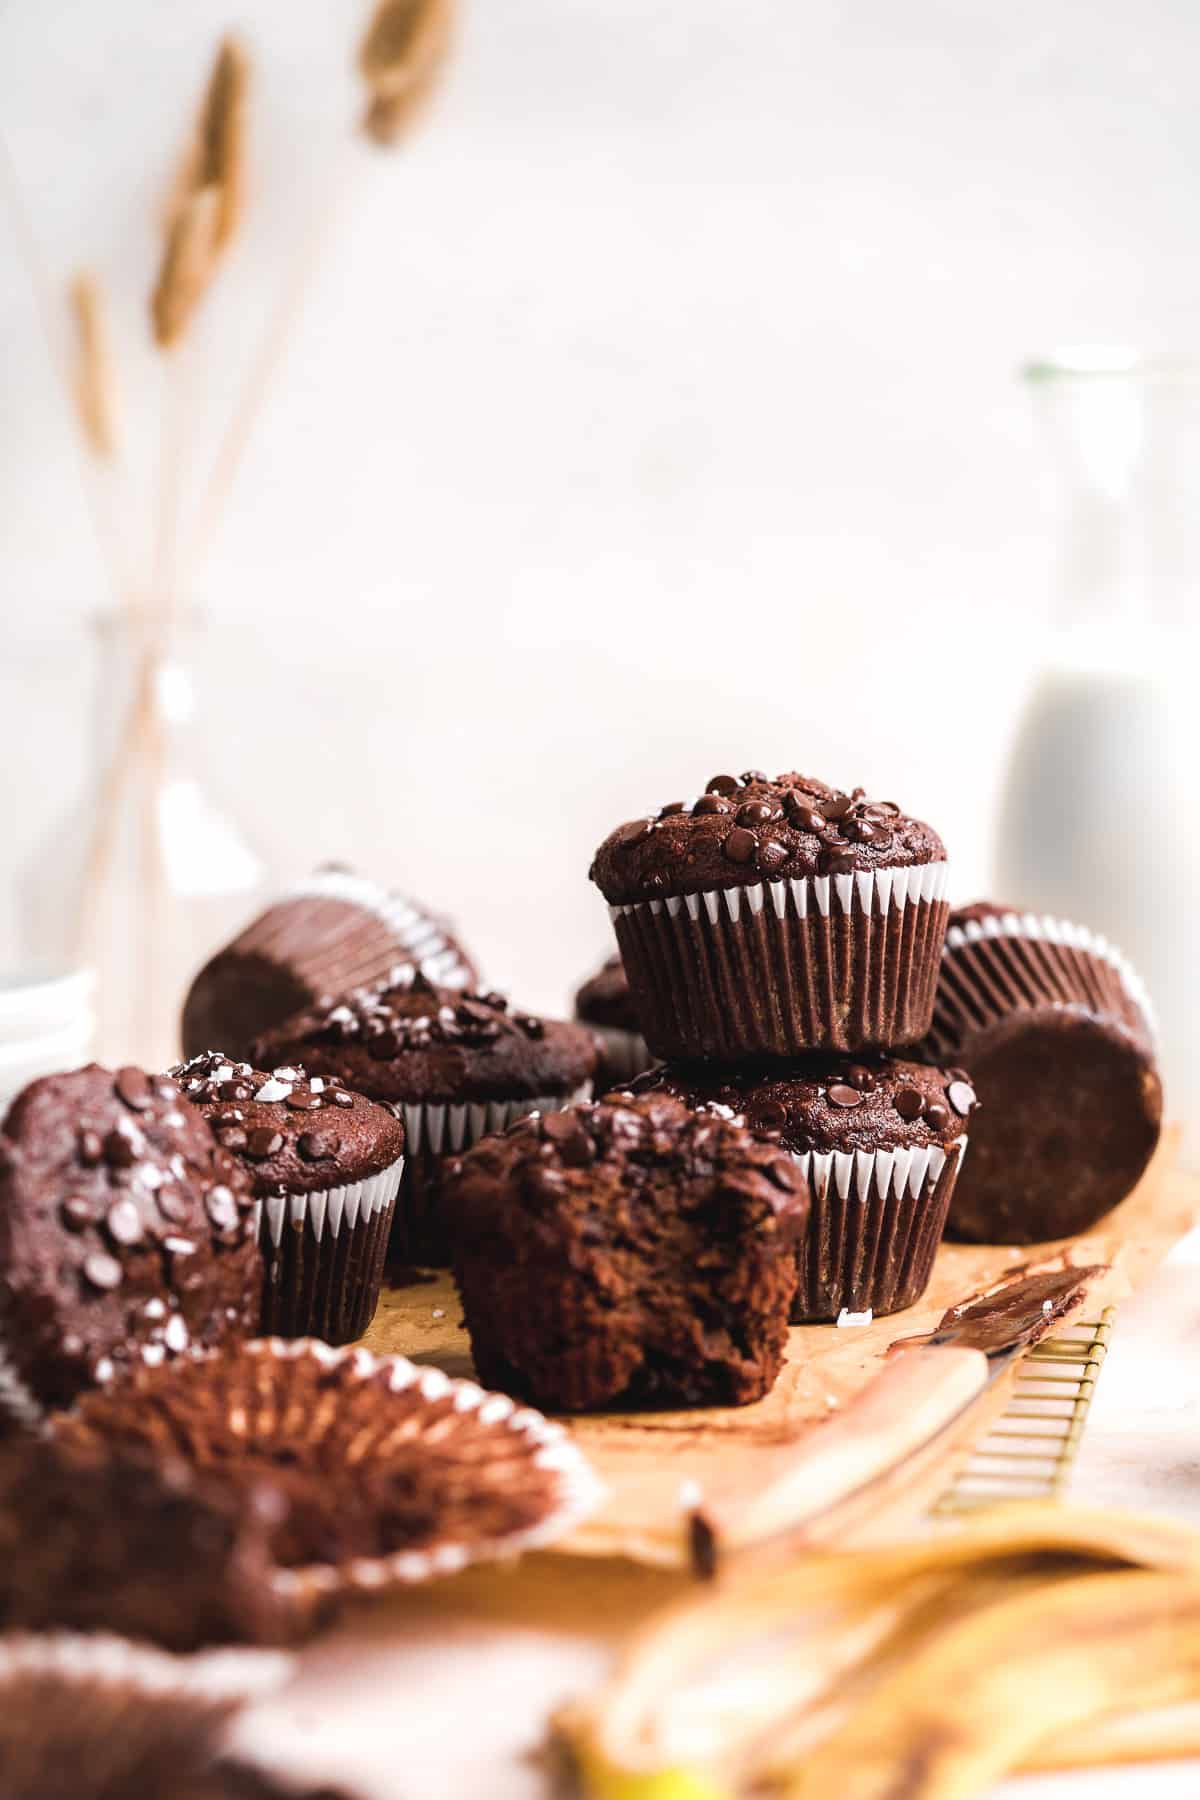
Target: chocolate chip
[(498, 1002), (533, 1028), (841, 1095), (838, 806), (636, 832), (318, 1146), (303, 1100), (782, 1174), (133, 1087), (340, 1097), (124, 1222), (908, 1102), (221, 1207), (669, 811), (102, 1270), (756, 812), (961, 1096), (750, 775), (722, 784), (800, 814), (937, 1117), (740, 846), (77, 1213), (172, 1204), (861, 1078), (836, 859), (772, 855), (232, 1138), (710, 803), (121, 1148), (263, 1142), (859, 831), (91, 1148), (769, 1115)]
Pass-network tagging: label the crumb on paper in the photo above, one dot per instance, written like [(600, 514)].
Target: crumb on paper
[(846, 1317), (691, 1496)]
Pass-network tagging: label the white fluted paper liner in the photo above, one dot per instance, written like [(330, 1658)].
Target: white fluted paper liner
[(330, 1210), (774, 968), (578, 1491), (867, 891), (624, 1055), (324, 1254), (1063, 934), (218, 1675), (421, 938), (17, 1399), (446, 1130), (876, 1222)]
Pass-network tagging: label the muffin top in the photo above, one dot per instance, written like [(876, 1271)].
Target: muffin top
[(293, 1132), (823, 1103), (748, 828), (604, 999), (409, 1041), (612, 1158), (126, 1231)]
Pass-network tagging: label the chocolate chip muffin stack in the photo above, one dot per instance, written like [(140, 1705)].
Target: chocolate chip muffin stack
[(781, 940)]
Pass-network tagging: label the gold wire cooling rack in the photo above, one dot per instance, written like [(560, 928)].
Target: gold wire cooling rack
[(1027, 1454)]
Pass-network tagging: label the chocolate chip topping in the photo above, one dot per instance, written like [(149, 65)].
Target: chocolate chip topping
[(133, 1164), (826, 1102), (788, 828), (271, 1118), (409, 1041)]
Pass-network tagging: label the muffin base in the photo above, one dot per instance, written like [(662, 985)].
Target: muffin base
[(421, 1234), (324, 1254), (876, 1222), (832, 962), (623, 1054)]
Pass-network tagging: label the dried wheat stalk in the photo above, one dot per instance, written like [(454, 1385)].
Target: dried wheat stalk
[(94, 384), (400, 61), (188, 264)]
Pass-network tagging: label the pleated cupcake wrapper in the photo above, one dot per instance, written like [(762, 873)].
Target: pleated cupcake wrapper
[(578, 1491), (1013, 962), (625, 1054), (419, 939), (79, 1658), (876, 1222), (433, 1132), (825, 962), (325, 1253)]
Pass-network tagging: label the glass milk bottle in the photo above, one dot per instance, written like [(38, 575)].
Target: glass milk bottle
[(1098, 818)]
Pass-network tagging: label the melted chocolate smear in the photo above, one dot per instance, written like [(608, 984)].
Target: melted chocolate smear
[(1013, 1316)]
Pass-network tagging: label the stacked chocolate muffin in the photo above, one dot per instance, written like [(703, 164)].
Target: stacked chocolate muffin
[(782, 940)]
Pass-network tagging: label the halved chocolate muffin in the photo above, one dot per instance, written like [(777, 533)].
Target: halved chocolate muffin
[(127, 1235), (331, 933), (453, 1066), (880, 1142), (1057, 1031), (769, 917), (325, 1166), (605, 1005), (628, 1253)]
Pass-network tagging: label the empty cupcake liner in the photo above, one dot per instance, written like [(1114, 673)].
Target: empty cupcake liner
[(1010, 962), (826, 962), (624, 1054), (421, 1234), (324, 1253), (876, 1222), (517, 1480)]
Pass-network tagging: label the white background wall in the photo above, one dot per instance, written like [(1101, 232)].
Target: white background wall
[(653, 414)]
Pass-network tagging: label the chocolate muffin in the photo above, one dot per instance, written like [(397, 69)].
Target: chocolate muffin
[(880, 1142), (326, 1165), (628, 1253), (334, 932), (771, 917), (127, 1234), (454, 1066), (603, 1004), (1057, 1031), (96, 1538)]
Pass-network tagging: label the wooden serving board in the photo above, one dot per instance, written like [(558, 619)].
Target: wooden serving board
[(656, 1464)]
